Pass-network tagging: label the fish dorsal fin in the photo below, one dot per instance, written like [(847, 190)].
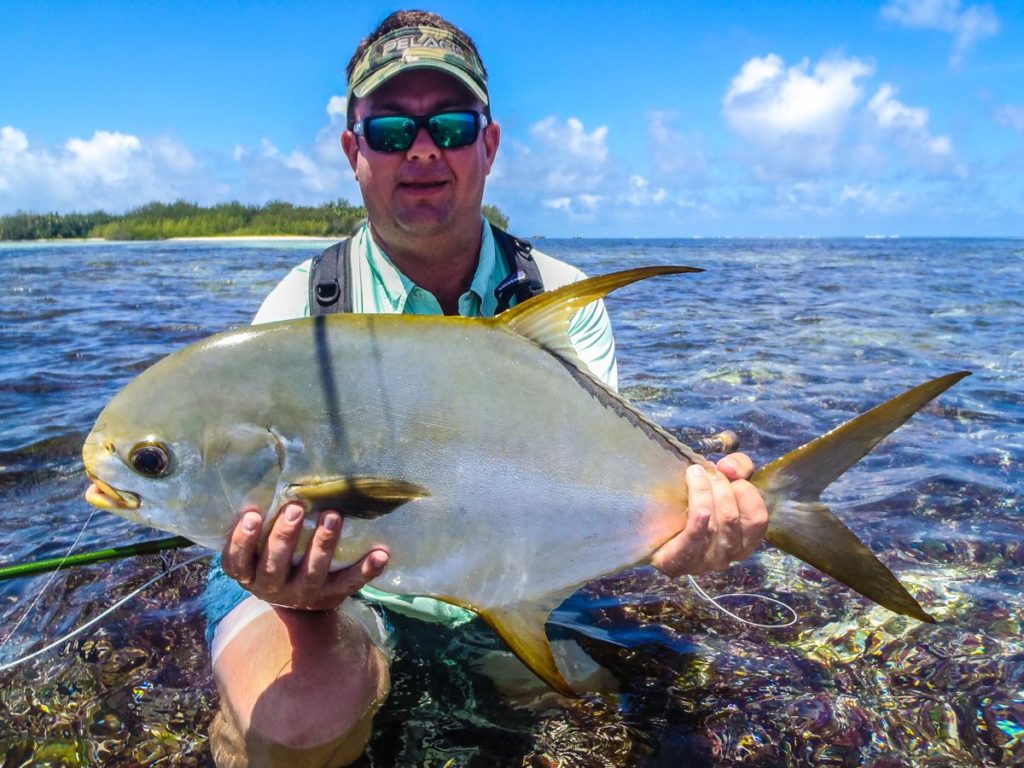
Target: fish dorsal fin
[(544, 319), (521, 627), (363, 497)]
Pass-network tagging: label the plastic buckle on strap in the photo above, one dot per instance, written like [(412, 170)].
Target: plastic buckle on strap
[(327, 293)]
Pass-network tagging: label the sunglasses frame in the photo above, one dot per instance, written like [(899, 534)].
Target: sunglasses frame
[(480, 119)]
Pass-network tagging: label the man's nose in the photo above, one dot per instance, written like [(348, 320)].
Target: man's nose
[(423, 146)]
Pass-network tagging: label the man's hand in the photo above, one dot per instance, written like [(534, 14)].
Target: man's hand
[(725, 522), (309, 585)]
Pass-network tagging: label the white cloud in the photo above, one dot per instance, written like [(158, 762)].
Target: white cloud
[(967, 25), (304, 175), (114, 170), (893, 114), (823, 152), (640, 193), (267, 173), (793, 118), (174, 154), (674, 153), (909, 127), (1010, 115), (583, 207), (107, 157), (573, 138), (569, 169), (869, 198), (12, 142), (337, 107), (111, 170), (767, 101), (570, 159), (558, 204), (810, 123)]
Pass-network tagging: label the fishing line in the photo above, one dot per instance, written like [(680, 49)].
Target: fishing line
[(104, 614), (49, 581), (727, 612)]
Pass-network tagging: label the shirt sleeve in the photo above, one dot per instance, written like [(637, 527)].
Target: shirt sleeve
[(289, 299), (590, 330)]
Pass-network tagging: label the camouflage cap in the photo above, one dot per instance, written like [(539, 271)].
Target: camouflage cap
[(417, 47)]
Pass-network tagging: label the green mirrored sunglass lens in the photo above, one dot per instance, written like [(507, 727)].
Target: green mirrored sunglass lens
[(453, 130), (390, 134)]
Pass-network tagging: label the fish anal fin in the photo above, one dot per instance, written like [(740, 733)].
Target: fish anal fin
[(360, 496), (521, 627), (544, 319)]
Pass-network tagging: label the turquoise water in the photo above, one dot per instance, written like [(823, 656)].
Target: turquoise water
[(778, 340)]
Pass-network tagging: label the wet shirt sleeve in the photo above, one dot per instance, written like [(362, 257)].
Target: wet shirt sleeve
[(590, 330)]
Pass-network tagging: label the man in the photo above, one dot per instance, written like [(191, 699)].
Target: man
[(300, 669)]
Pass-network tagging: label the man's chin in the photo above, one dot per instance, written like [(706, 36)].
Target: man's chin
[(425, 221)]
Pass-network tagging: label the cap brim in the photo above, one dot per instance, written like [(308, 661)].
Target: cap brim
[(393, 68)]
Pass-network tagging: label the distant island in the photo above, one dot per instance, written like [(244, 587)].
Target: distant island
[(160, 221)]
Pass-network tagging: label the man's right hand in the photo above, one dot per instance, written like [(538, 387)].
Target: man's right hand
[(309, 585)]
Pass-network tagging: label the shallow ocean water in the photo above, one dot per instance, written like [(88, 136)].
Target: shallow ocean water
[(779, 340)]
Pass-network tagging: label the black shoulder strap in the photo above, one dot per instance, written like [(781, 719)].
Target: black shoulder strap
[(524, 278), (328, 280)]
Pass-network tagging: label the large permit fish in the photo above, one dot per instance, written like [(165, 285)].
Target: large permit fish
[(498, 473)]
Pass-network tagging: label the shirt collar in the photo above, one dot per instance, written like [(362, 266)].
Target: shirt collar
[(397, 287), (484, 277)]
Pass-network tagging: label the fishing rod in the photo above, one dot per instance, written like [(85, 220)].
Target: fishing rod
[(88, 558), (724, 442)]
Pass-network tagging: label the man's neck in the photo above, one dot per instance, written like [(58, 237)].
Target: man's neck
[(443, 264)]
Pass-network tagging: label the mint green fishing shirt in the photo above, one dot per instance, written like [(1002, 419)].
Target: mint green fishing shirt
[(378, 287)]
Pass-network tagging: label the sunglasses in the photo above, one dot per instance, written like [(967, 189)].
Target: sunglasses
[(396, 133)]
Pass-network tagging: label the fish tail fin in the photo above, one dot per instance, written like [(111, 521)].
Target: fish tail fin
[(800, 524)]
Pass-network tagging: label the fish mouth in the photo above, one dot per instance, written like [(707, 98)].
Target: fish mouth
[(101, 495)]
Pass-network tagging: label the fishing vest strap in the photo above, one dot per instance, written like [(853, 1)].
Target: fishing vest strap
[(524, 278), (329, 290), (329, 277)]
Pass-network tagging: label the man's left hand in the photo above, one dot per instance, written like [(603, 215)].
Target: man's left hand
[(726, 520)]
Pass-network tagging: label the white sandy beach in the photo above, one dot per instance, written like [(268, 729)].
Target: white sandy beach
[(252, 238), (212, 239)]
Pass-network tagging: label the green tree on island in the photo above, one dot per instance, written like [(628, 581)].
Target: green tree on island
[(158, 221), (495, 215)]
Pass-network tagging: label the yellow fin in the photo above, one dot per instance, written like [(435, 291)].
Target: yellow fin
[(364, 497), (799, 523), (521, 627), (545, 318)]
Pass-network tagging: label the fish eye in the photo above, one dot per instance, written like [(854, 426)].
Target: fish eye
[(150, 459)]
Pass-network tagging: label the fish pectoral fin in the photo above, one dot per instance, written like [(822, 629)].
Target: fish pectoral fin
[(363, 497), (521, 627), (545, 319)]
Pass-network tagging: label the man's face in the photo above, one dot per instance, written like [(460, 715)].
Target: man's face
[(423, 190)]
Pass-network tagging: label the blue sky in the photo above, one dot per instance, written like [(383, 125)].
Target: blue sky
[(619, 119)]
